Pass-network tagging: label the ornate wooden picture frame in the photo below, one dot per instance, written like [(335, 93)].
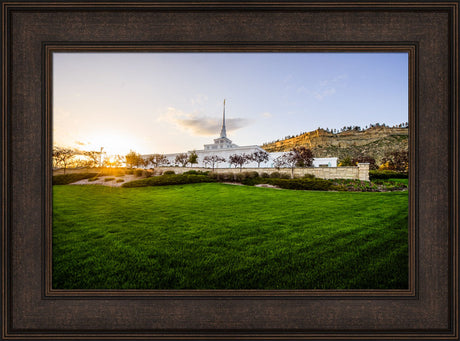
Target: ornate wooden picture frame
[(32, 31)]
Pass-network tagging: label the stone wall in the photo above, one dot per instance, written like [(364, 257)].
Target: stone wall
[(361, 172)]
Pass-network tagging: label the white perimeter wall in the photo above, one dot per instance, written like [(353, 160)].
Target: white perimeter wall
[(225, 153)]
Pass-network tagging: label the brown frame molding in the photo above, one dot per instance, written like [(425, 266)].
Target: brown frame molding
[(32, 31)]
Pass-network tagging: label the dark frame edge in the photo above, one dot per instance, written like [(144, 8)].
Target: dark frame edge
[(6, 196)]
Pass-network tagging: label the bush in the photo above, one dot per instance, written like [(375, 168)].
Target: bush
[(213, 175), (138, 172), (173, 179), (109, 179), (120, 180), (377, 185), (239, 177), (111, 172), (195, 172), (129, 172), (299, 184), (227, 176), (284, 176), (265, 175), (387, 174), (251, 174), (147, 173), (304, 184), (309, 176), (275, 175), (93, 179), (66, 179), (169, 172)]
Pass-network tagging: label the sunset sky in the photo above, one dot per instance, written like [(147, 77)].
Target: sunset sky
[(172, 102)]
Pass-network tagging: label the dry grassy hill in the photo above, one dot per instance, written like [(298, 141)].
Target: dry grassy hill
[(375, 142)]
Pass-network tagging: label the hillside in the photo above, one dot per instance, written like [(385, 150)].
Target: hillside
[(375, 142)]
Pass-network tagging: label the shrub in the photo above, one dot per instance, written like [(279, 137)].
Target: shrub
[(309, 176), (129, 172), (66, 179), (227, 176), (147, 173), (275, 175), (264, 175), (93, 179), (239, 177), (250, 175), (213, 175), (299, 184), (138, 172), (195, 172), (304, 184), (164, 180), (111, 172), (284, 176), (120, 180), (109, 179), (169, 172), (387, 174)]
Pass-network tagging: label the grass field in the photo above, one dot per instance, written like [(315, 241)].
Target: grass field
[(218, 236)]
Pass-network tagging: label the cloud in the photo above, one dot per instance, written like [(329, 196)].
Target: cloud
[(199, 99), (201, 125), (319, 95), (325, 88), (334, 80), (266, 115)]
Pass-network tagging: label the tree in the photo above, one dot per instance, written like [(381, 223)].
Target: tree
[(117, 160), (279, 162), (94, 158), (286, 160), (396, 160), (143, 162), (213, 160), (182, 159), (365, 159), (259, 157), (133, 159), (193, 158), (297, 157), (157, 160), (62, 157), (303, 157), (346, 162), (239, 160)]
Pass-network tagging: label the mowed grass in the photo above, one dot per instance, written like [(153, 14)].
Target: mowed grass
[(218, 236)]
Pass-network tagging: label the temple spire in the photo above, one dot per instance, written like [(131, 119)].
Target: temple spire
[(223, 131)]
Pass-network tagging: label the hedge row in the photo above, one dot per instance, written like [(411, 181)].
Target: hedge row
[(299, 184), (387, 174), (164, 180), (239, 177), (66, 179)]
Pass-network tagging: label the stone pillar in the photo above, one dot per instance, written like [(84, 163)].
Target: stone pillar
[(363, 171)]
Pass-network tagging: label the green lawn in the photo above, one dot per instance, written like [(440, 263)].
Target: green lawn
[(218, 236)]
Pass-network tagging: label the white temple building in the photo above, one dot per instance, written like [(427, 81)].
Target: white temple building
[(224, 147)]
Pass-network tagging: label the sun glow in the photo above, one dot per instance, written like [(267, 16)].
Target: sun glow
[(112, 143)]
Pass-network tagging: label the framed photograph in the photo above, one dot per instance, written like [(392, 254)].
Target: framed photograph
[(230, 170)]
